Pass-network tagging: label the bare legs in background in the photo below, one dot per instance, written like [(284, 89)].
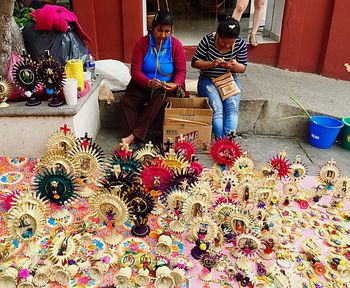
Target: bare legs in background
[(258, 11)]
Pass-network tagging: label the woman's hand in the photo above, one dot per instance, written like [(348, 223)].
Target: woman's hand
[(155, 83), (204, 65), (169, 86), (231, 64), (218, 61), (235, 66)]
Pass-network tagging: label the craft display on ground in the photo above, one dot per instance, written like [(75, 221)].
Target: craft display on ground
[(155, 217)]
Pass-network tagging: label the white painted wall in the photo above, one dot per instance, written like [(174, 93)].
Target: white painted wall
[(144, 16), (274, 18), (269, 14), (278, 17), (27, 136)]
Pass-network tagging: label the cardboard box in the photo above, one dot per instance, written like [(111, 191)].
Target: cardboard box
[(191, 118)]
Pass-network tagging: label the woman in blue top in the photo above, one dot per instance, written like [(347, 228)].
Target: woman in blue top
[(217, 53), (158, 68)]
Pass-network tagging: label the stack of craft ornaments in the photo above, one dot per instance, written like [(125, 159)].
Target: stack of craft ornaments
[(28, 75), (155, 218)]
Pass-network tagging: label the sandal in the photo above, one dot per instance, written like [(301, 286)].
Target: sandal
[(252, 40)]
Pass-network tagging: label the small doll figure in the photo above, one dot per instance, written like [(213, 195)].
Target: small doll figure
[(178, 208), (239, 226), (267, 252)]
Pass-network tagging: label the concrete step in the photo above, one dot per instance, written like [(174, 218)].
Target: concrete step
[(265, 102), (261, 117)]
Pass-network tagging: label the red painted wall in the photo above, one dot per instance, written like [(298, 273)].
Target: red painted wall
[(305, 30), (338, 48), (109, 28), (85, 11), (114, 25), (132, 25)]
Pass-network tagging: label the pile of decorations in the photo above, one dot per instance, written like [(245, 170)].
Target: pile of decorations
[(154, 217), (32, 78)]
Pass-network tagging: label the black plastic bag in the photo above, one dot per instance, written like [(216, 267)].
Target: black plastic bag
[(62, 45)]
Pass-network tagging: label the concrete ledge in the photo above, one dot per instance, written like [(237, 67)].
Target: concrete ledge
[(261, 117), (258, 117), (25, 130), (19, 109)]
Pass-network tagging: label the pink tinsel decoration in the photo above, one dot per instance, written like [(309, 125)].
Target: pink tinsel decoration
[(24, 273), (8, 201), (55, 207)]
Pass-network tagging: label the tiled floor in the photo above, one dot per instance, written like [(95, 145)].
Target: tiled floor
[(189, 28)]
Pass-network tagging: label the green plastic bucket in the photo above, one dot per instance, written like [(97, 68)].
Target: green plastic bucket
[(345, 137)]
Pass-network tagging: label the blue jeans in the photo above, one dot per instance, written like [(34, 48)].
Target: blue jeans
[(225, 113)]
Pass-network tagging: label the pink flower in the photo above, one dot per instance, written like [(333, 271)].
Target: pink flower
[(303, 204), (181, 265), (84, 280), (82, 208), (134, 246), (55, 207), (105, 259), (247, 250), (205, 271), (24, 273)]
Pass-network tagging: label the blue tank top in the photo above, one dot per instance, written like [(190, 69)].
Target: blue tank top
[(165, 58)]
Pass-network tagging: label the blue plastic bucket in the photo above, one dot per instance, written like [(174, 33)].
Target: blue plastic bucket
[(324, 130)]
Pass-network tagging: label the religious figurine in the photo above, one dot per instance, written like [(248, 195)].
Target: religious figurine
[(51, 75), (25, 76)]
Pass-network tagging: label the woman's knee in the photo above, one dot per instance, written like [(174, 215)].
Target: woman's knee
[(241, 6), (259, 4), (218, 109), (232, 105), (123, 101)]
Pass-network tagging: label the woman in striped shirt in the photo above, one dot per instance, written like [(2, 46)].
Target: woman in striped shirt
[(217, 53)]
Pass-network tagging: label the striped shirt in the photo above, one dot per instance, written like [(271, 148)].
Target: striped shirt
[(207, 51)]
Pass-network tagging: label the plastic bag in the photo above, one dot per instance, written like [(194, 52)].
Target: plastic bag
[(62, 45), (115, 73)]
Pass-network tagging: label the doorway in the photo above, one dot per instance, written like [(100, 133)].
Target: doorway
[(195, 18)]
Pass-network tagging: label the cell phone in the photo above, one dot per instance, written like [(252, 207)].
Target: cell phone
[(223, 64)]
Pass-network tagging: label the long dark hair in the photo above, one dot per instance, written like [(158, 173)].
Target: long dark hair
[(162, 18), (228, 27)]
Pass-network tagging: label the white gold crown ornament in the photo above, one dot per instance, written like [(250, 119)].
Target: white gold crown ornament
[(122, 279), (178, 276), (164, 278), (143, 279), (8, 282), (163, 246)]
